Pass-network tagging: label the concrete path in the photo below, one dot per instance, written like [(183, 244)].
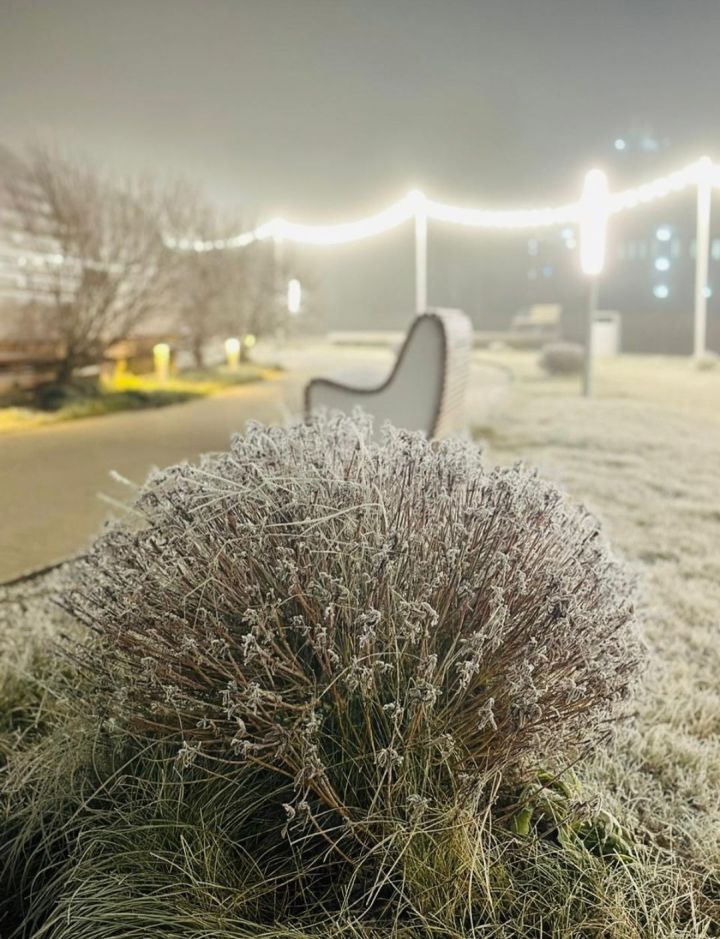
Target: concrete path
[(51, 477)]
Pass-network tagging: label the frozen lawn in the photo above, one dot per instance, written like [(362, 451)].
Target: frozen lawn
[(644, 454)]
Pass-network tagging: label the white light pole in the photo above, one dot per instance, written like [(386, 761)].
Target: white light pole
[(702, 243), (593, 235), (420, 214), (294, 296)]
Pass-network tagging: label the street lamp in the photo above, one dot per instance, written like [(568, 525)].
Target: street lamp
[(294, 296), (593, 233)]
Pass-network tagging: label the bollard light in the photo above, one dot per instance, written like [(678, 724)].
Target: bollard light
[(161, 361), (232, 353)]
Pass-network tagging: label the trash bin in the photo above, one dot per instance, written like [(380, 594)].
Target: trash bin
[(606, 329)]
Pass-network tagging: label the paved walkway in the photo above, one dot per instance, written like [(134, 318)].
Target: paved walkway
[(51, 478)]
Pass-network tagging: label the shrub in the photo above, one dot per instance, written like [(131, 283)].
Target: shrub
[(562, 358), (707, 362), (359, 618)]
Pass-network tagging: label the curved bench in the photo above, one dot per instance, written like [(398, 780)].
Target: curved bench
[(426, 387)]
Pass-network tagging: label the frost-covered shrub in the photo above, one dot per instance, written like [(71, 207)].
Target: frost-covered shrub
[(562, 358), (369, 621)]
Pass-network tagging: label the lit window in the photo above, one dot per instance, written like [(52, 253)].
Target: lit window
[(663, 233), (568, 236), (662, 264), (661, 291), (708, 292), (620, 144), (715, 249)]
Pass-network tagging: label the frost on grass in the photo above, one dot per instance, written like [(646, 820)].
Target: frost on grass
[(359, 617)]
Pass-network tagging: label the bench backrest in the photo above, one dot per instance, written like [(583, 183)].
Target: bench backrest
[(425, 389)]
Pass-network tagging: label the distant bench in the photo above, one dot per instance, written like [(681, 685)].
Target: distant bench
[(531, 329)]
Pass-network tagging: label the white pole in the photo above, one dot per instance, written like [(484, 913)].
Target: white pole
[(587, 384), (420, 256), (593, 238), (702, 244)]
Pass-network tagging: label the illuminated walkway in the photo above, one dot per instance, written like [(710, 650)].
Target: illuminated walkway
[(51, 477)]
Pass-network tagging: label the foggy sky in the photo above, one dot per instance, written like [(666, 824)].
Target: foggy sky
[(323, 109)]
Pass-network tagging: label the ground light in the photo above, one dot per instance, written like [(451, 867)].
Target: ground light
[(593, 235), (232, 353), (161, 361)]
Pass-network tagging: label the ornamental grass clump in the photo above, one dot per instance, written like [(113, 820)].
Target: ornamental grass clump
[(380, 625), (562, 358)]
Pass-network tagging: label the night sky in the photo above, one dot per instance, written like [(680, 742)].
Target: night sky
[(327, 109)]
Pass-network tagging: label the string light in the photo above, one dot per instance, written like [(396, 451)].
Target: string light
[(280, 229)]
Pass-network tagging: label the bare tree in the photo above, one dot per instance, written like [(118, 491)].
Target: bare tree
[(210, 283), (95, 261), (228, 291)]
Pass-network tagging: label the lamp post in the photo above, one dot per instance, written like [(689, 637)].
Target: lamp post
[(702, 243), (294, 296), (593, 233)]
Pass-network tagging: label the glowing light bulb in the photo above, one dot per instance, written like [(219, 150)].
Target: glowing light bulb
[(662, 264), (161, 361), (232, 352), (407, 208), (294, 296)]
